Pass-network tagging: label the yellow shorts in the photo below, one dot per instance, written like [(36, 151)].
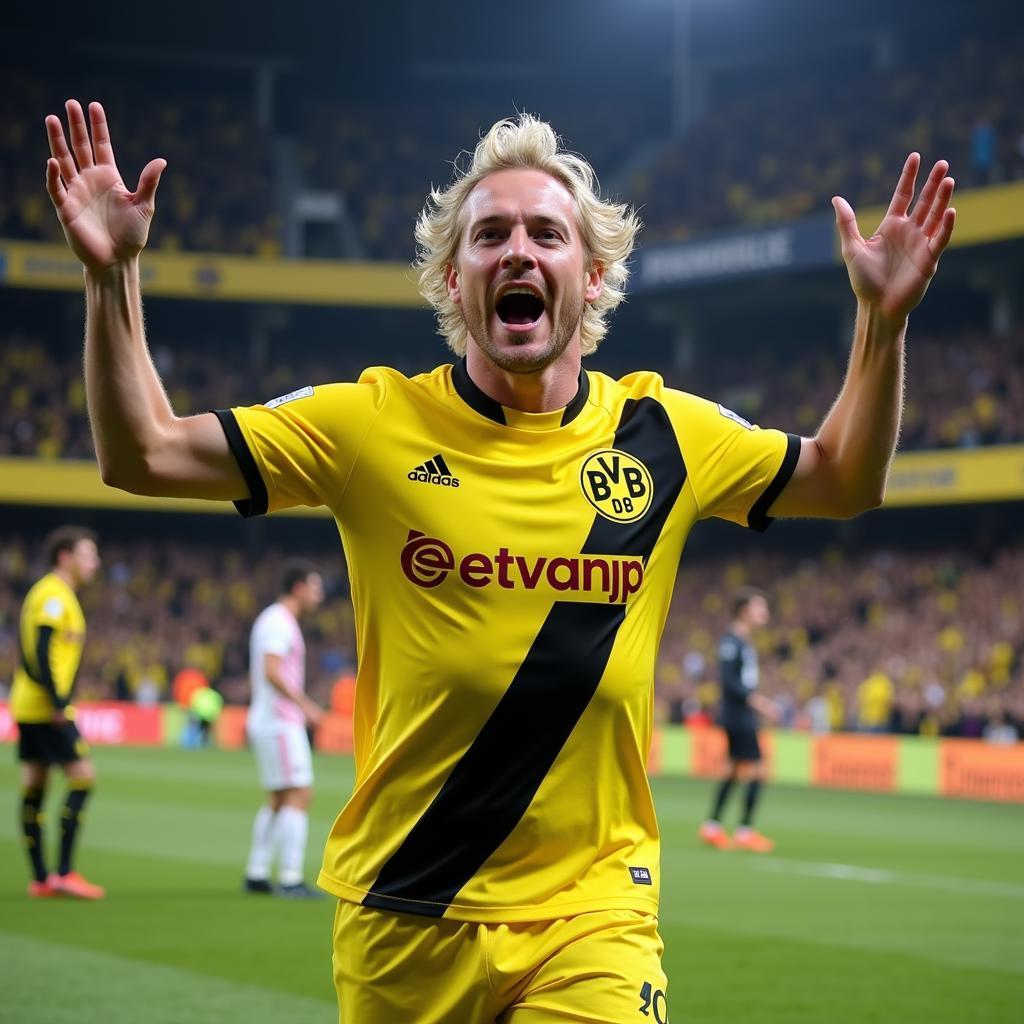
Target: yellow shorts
[(597, 968)]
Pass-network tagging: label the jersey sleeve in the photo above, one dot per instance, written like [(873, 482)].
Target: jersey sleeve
[(300, 449), (735, 469), (51, 612)]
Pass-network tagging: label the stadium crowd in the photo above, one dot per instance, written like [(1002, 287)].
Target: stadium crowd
[(45, 415), (881, 640), (206, 205), (383, 160), (777, 147), (761, 154), (161, 607)]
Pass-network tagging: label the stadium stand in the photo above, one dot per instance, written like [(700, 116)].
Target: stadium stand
[(384, 158), (964, 389), (167, 605), (766, 154), (881, 639), (306, 142), (873, 637), (758, 154), (46, 416), (940, 633), (205, 135)]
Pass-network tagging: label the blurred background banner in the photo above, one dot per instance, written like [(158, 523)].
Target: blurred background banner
[(736, 254), (212, 276), (993, 473)]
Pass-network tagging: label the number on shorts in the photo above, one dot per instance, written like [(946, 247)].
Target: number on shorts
[(654, 999)]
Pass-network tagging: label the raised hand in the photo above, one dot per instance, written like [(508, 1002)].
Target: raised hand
[(891, 269), (104, 223)]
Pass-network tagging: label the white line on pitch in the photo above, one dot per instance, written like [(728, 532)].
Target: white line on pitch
[(874, 876)]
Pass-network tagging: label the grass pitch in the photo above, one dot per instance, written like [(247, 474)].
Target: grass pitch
[(874, 908)]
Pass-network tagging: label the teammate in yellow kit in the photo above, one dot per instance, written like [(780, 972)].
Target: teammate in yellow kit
[(52, 634), (513, 525)]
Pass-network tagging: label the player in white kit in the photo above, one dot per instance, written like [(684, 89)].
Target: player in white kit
[(279, 713)]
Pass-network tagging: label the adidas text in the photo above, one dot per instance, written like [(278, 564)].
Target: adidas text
[(434, 471), (423, 477)]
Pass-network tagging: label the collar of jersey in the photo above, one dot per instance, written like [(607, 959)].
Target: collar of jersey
[(486, 406)]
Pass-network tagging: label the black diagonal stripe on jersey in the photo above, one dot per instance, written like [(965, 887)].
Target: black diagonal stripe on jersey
[(442, 465), (493, 784), (431, 467)]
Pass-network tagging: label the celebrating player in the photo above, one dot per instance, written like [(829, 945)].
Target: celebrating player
[(279, 712), (498, 858), (52, 635), (738, 671)]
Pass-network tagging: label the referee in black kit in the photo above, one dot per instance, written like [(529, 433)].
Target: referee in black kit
[(741, 704)]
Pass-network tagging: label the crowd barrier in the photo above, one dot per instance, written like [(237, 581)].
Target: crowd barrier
[(970, 769)]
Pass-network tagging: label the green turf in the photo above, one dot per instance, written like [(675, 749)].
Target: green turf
[(873, 908)]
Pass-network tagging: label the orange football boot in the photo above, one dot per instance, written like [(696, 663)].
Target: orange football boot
[(751, 839), (714, 835), (41, 890), (73, 884)]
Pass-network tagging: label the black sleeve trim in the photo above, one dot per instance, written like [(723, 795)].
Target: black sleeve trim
[(256, 503), (759, 519), (45, 676)]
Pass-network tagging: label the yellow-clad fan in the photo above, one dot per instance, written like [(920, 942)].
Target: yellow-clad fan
[(52, 635)]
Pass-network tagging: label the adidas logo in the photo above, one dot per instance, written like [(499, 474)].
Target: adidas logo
[(434, 471)]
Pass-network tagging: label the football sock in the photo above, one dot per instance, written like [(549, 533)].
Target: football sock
[(32, 829), (292, 830), (722, 795), (70, 819), (261, 853), (753, 793)]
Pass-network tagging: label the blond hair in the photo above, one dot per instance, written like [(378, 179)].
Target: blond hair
[(608, 229)]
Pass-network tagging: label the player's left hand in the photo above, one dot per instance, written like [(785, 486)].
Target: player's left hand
[(314, 714), (891, 269)]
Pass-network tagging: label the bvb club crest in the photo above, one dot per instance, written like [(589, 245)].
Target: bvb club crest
[(617, 484)]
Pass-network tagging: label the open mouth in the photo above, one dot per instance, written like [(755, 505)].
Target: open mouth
[(519, 307)]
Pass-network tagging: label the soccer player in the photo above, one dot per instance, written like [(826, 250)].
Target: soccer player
[(513, 525), (279, 711), (52, 635), (738, 672)]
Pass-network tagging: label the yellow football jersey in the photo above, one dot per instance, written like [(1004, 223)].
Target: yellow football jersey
[(49, 603), (511, 575)]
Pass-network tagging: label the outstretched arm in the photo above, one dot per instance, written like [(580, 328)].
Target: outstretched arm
[(842, 471), (140, 444)]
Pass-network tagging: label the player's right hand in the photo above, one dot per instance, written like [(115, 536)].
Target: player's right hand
[(104, 223), (314, 714)]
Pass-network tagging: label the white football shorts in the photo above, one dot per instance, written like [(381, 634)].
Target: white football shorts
[(282, 755)]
